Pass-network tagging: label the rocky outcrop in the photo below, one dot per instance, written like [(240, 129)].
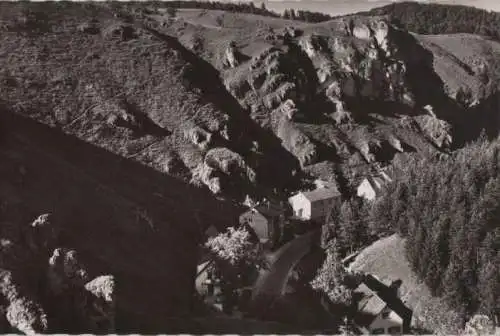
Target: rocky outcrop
[(198, 137), (34, 274), (22, 312), (381, 36), (297, 143), (368, 150), (42, 234), (230, 163), (437, 130), (334, 94), (212, 179), (396, 144), (231, 57), (289, 110), (65, 271), (310, 45), (102, 305), (362, 32)]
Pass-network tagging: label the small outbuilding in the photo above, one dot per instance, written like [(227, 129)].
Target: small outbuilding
[(371, 186), (266, 220)]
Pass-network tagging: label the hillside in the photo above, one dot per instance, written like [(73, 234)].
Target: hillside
[(136, 129), (319, 88), (425, 18), (217, 98), (122, 218)]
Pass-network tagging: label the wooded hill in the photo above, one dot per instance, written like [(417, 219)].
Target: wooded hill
[(441, 19)]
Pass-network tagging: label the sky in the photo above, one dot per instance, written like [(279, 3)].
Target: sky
[(340, 7)]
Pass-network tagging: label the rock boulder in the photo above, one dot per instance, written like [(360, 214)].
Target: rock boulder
[(102, 307)]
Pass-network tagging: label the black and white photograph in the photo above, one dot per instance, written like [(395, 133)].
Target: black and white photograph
[(284, 167)]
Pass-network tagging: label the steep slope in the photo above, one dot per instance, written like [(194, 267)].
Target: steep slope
[(239, 103), (340, 95), (123, 218), (464, 62), (104, 78)]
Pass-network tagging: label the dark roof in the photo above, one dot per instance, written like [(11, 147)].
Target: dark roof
[(369, 306), (269, 210), (321, 194), (375, 296)]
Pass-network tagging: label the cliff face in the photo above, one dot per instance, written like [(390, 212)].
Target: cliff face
[(269, 92), (346, 93)]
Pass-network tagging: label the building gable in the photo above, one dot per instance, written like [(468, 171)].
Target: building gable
[(387, 320), (258, 222)]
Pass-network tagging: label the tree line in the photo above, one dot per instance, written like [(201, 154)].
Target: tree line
[(441, 19), (306, 16), (235, 7), (246, 7), (448, 209)]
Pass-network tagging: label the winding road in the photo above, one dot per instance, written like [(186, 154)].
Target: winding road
[(271, 282)]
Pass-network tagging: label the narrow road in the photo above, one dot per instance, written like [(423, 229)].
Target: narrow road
[(271, 283)]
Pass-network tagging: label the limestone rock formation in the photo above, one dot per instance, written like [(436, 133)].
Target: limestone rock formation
[(23, 313), (42, 234), (396, 144), (369, 148), (437, 130), (65, 271), (309, 45), (231, 56), (297, 143), (230, 163), (198, 136), (362, 32), (381, 35), (102, 312), (26, 316), (289, 109), (212, 179)]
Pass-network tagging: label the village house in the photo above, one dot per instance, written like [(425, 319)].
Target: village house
[(371, 186), (315, 204), (266, 220), (380, 311)]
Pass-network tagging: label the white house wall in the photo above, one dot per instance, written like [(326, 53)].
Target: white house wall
[(366, 190), (300, 202)]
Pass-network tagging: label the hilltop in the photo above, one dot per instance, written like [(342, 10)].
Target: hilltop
[(430, 18)]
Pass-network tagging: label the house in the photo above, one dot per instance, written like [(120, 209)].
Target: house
[(371, 186), (380, 311), (315, 204), (266, 220)]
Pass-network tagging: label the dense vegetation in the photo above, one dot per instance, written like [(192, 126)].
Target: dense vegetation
[(442, 19), (449, 210), (235, 7), (248, 8), (304, 15), (347, 227)]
